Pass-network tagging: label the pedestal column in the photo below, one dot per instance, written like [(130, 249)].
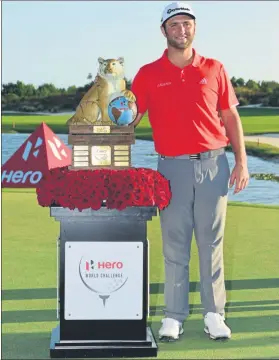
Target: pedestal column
[(103, 283)]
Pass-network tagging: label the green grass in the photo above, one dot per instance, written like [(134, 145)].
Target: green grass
[(28, 123), (264, 151), (251, 268), (259, 121), (255, 121)]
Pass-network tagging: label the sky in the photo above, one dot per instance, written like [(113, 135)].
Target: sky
[(59, 42)]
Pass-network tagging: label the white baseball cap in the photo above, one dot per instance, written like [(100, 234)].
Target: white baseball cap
[(176, 8)]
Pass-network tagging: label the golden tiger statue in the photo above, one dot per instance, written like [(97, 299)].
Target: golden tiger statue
[(93, 106)]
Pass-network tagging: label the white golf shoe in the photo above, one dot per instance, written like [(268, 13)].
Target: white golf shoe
[(215, 326), (170, 330)]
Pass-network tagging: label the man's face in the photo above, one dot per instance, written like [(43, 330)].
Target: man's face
[(179, 31)]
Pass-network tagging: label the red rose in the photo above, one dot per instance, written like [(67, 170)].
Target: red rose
[(117, 189)]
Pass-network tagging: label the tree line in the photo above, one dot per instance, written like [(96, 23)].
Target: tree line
[(46, 97), (252, 92)]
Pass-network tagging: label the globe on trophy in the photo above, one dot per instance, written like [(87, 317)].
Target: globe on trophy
[(122, 111)]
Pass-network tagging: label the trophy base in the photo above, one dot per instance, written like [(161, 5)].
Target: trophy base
[(102, 348)]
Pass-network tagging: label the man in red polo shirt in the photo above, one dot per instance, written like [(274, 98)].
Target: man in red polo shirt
[(191, 106)]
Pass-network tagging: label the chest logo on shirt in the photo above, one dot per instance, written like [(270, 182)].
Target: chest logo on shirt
[(164, 84), (203, 81)]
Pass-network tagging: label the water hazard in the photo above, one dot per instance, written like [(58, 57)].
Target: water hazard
[(144, 155)]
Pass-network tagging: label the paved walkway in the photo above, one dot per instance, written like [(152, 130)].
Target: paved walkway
[(274, 141)]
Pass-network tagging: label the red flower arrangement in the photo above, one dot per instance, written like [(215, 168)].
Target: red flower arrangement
[(116, 189)]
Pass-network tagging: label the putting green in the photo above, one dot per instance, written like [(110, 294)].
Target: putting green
[(251, 269)]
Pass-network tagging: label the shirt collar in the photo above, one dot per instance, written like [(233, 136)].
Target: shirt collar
[(195, 63)]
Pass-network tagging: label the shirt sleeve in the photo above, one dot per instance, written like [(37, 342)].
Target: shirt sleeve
[(139, 89), (227, 96)]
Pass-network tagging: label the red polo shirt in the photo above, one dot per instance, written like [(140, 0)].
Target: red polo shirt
[(183, 104)]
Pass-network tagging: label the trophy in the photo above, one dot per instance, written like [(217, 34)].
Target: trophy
[(99, 130), (102, 248)]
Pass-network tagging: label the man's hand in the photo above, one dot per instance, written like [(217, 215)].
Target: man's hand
[(137, 120), (239, 177)]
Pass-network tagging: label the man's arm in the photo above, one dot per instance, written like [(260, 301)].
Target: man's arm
[(233, 126), (139, 89), (234, 130)]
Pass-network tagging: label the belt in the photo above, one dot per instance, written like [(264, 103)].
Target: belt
[(198, 156)]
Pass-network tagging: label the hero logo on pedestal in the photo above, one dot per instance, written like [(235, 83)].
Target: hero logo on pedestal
[(96, 277), (42, 151), (103, 280)]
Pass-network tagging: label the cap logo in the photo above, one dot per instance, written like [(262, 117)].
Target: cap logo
[(176, 9)]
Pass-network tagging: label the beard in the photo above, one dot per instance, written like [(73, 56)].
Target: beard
[(179, 45)]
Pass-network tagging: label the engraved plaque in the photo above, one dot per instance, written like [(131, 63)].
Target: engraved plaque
[(124, 153), (80, 163), (101, 155), (80, 148), (80, 158), (121, 158), (121, 163), (121, 147), (101, 129), (80, 153)]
